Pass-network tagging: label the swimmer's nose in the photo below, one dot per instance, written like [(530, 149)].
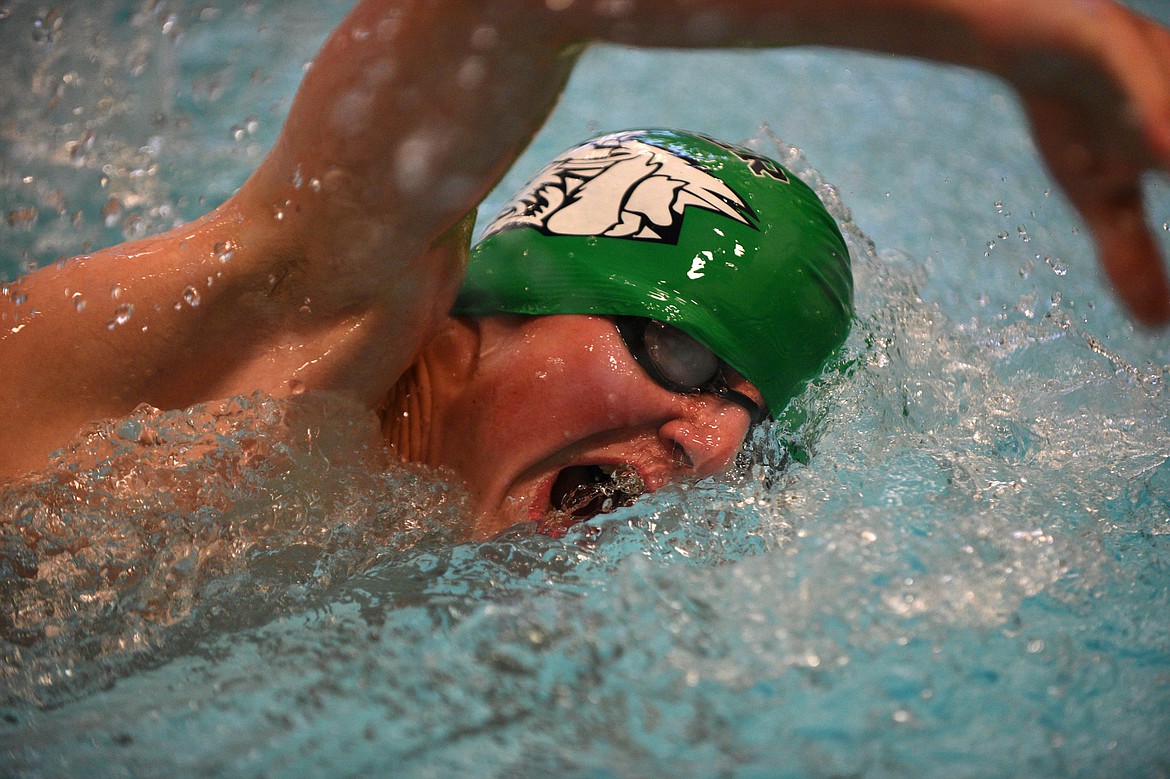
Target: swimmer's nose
[(706, 439)]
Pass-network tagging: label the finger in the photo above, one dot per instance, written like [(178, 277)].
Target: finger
[(1152, 94), (1129, 254)]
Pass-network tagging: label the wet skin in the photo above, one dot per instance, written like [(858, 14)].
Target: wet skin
[(513, 401)]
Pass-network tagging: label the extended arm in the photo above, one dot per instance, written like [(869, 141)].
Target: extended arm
[(330, 266)]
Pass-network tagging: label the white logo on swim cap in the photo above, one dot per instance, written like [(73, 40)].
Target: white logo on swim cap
[(619, 187)]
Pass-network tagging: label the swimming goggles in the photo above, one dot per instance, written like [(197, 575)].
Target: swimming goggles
[(680, 363)]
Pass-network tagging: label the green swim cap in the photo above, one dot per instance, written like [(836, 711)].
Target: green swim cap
[(717, 240)]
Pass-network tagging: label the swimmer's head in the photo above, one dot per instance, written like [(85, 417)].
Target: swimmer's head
[(720, 242)]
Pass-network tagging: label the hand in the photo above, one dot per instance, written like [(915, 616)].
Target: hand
[(1100, 111)]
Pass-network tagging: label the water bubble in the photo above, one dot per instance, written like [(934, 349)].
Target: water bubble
[(121, 316), (191, 295), (78, 302)]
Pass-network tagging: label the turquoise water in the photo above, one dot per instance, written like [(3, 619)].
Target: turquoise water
[(963, 569)]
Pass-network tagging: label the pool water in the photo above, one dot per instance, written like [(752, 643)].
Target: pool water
[(952, 558)]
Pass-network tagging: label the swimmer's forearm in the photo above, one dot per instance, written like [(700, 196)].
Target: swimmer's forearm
[(411, 111)]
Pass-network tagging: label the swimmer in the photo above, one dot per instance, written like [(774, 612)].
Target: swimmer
[(558, 371)]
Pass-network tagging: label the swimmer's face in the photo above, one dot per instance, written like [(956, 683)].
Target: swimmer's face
[(558, 416)]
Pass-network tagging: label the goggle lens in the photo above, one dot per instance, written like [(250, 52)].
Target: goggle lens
[(679, 358), (679, 363)]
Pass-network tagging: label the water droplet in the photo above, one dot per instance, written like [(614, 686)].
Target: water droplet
[(1023, 233), (486, 37), (471, 73), (315, 184), (116, 291), (23, 218), (224, 251), (47, 28), (191, 295), (298, 180), (296, 387), (1059, 266), (121, 316), (111, 210), (78, 302)]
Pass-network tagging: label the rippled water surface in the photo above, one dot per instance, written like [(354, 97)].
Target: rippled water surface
[(951, 559)]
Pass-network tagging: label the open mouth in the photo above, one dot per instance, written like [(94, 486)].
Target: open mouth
[(584, 491)]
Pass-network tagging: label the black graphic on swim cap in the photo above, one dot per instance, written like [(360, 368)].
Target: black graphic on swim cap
[(619, 187), (758, 164)]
